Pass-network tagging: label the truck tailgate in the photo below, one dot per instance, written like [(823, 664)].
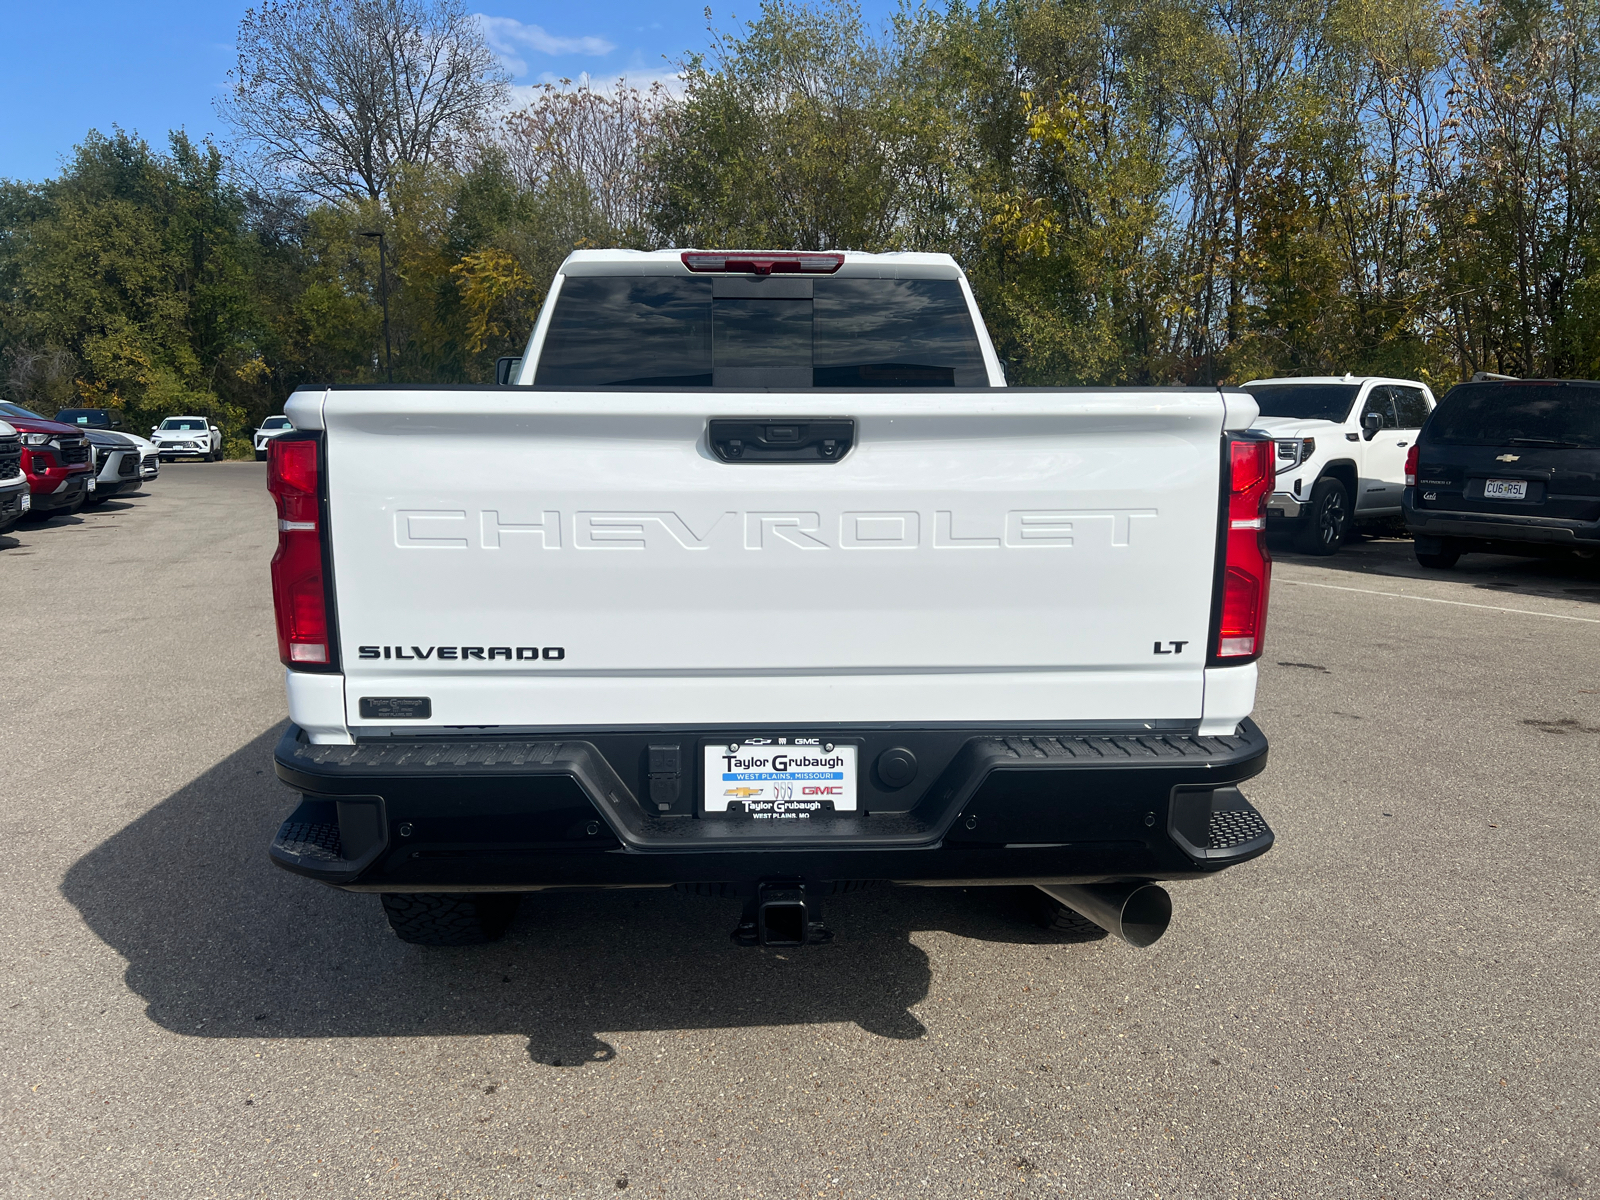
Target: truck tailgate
[(555, 559)]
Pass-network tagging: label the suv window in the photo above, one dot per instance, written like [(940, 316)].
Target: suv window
[(1549, 412), (671, 331), (1305, 401), (1380, 400), (191, 424), (1411, 406)]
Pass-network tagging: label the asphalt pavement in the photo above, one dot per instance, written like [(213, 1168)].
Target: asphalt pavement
[(1398, 1001)]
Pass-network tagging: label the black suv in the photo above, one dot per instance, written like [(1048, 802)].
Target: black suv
[(1510, 466)]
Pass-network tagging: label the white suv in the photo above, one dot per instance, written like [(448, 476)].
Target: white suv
[(270, 428), (1341, 451), (187, 437)]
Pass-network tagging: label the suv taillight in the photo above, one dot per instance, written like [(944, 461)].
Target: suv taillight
[(299, 597), (1246, 566), (1411, 466)]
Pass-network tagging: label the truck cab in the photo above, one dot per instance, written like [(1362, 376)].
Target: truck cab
[(1341, 444)]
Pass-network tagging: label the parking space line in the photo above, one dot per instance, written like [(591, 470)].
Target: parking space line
[(1525, 612)]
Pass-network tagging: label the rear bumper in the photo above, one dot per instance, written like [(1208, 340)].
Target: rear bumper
[(1498, 527), (522, 814)]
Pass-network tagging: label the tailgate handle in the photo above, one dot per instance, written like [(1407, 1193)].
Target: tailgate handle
[(781, 439)]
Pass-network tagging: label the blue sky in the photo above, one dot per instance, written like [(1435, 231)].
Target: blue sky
[(68, 66)]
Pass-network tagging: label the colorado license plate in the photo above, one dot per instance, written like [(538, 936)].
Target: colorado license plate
[(780, 779), (1505, 489)]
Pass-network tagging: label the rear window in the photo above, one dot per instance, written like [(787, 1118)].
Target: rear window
[(1306, 401), (670, 331), (1510, 414)]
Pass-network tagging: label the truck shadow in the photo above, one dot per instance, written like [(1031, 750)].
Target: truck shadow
[(219, 943)]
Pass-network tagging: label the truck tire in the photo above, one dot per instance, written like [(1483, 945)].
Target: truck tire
[(1328, 523), (1051, 914), (1442, 559), (450, 918)]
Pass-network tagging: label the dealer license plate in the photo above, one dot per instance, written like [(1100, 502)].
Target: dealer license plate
[(1505, 489), (780, 779)]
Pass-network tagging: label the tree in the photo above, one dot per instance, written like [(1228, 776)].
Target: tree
[(335, 97), (597, 140), (791, 138)]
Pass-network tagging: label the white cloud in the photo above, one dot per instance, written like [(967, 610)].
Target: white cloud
[(510, 39)]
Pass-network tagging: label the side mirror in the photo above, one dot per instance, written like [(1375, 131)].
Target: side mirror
[(1372, 422), (506, 370)]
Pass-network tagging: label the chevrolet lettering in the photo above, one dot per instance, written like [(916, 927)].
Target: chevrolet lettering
[(833, 604)]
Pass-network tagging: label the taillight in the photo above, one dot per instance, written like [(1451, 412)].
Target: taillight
[(1411, 466), (763, 262), (1246, 565), (299, 598)]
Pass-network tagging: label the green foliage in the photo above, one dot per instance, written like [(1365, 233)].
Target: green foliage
[(788, 137), (1147, 192)]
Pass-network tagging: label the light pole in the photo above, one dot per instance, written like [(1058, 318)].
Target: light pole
[(383, 292)]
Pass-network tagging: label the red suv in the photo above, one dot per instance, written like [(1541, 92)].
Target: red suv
[(55, 458)]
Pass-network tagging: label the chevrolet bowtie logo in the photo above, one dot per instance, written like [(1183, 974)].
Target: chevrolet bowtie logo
[(1507, 457), (743, 793)]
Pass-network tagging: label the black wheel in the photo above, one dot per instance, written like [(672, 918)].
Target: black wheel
[(261, 456), (450, 918), (1049, 913), (1442, 559), (1328, 523)]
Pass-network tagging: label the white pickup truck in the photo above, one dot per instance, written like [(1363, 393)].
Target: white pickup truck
[(1341, 452), (756, 577)]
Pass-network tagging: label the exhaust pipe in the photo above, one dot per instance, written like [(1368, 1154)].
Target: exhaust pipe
[(1138, 913)]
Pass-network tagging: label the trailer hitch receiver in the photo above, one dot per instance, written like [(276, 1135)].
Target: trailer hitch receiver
[(782, 915)]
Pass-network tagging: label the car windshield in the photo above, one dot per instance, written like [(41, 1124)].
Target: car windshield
[(276, 423), (95, 418), (736, 331), (185, 424), (16, 410), (1506, 414), (1306, 401)]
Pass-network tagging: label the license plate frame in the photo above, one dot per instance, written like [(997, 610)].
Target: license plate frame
[(782, 777), (1505, 489)]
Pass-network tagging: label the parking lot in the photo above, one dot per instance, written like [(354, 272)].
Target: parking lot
[(1398, 1000)]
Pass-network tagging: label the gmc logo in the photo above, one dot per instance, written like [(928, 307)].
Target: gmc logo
[(505, 529)]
